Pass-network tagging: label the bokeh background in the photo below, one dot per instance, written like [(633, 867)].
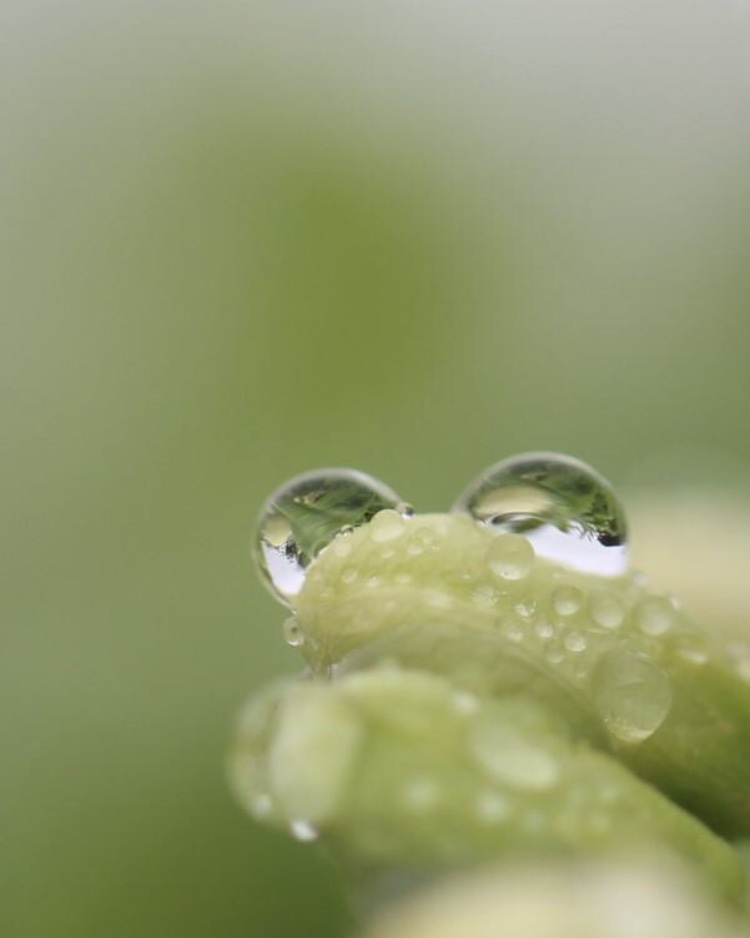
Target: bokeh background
[(241, 240)]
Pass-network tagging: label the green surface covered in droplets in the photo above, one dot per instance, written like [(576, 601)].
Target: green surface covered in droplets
[(466, 700)]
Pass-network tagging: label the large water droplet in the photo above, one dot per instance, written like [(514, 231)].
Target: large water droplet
[(632, 693), (305, 515), (567, 510)]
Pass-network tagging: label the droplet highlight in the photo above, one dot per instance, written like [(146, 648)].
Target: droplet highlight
[(306, 514), (568, 512), (632, 693)]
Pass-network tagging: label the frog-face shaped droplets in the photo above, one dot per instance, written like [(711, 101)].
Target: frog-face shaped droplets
[(568, 513)]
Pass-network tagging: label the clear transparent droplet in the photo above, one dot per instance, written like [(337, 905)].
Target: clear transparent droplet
[(654, 615), (567, 510), (293, 634), (511, 557), (513, 761), (567, 600), (632, 693), (606, 610), (575, 641), (305, 515)]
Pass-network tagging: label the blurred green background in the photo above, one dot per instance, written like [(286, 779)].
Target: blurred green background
[(241, 242)]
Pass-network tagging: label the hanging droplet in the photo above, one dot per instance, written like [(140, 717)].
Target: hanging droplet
[(632, 693), (567, 510), (305, 515), (293, 634)]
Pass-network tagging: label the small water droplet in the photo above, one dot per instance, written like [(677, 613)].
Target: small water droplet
[(606, 610), (404, 579), (372, 582), (465, 703), (510, 556), (567, 510), (654, 615), (567, 600), (438, 599), (544, 630), (293, 634), (305, 515), (421, 794), (526, 608), (349, 574), (484, 596), (492, 807), (303, 830), (692, 647), (387, 525), (513, 760), (261, 806), (632, 693), (740, 653), (421, 541), (513, 631), (575, 641)]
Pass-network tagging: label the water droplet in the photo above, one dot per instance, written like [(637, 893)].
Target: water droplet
[(575, 641), (387, 525), (421, 541), (305, 515), (692, 647), (484, 597), (293, 634), (606, 610), (465, 703), (513, 631), (632, 693), (404, 579), (438, 599), (492, 807), (544, 630), (513, 760), (740, 653), (568, 511), (303, 830), (261, 806), (526, 608), (420, 795), (510, 557), (349, 574), (567, 600), (654, 615)]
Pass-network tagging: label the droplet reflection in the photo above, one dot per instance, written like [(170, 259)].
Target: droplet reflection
[(567, 510), (305, 515)]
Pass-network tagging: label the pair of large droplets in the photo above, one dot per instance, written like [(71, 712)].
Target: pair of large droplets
[(569, 513)]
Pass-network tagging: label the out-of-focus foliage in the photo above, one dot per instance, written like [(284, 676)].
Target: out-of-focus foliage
[(238, 242)]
